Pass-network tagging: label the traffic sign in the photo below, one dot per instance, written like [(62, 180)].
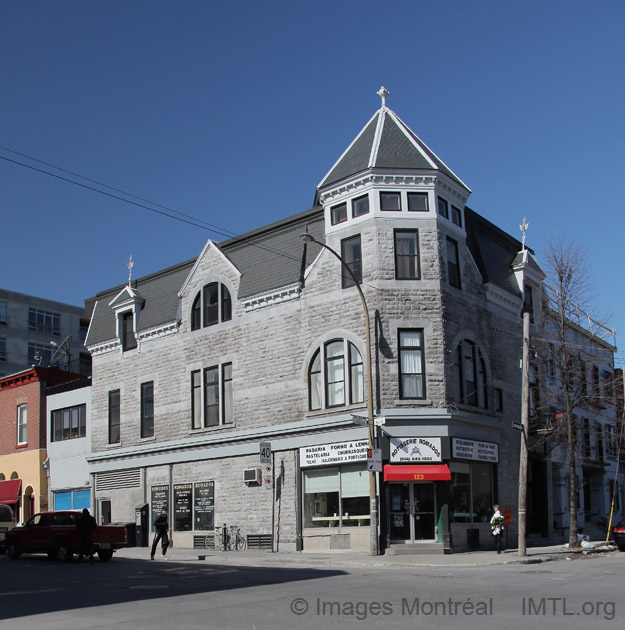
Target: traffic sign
[(363, 422), (265, 452), (374, 459), (517, 426)]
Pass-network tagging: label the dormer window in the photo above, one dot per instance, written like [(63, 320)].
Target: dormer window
[(129, 341), (213, 304)]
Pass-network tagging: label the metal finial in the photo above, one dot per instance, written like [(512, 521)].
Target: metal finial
[(383, 93), (524, 227), (130, 264)]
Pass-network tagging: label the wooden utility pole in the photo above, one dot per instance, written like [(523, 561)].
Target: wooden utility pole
[(525, 397)]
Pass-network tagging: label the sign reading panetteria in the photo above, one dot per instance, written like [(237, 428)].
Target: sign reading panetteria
[(339, 453), (477, 451), (416, 449)]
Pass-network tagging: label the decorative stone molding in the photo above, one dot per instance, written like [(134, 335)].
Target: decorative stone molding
[(279, 296)]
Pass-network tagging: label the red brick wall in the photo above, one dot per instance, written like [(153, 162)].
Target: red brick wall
[(10, 398)]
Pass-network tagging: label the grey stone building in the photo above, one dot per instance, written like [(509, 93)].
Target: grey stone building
[(33, 328), (262, 338)]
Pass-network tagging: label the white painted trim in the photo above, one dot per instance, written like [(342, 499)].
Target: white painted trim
[(199, 259), (375, 146)]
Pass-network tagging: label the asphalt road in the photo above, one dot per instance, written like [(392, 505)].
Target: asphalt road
[(139, 594)]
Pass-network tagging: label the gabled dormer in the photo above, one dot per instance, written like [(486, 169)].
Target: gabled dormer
[(127, 305), (388, 171)]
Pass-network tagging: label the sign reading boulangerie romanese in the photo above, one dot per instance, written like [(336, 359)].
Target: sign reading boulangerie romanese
[(474, 450), (338, 453), (416, 449)]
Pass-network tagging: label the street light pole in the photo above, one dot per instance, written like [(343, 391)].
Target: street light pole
[(373, 541)]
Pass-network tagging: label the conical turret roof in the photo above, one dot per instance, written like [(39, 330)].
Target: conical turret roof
[(386, 142)]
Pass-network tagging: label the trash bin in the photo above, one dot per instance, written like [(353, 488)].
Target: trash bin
[(473, 538)]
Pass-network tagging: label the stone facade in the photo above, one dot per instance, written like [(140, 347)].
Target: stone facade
[(287, 304)]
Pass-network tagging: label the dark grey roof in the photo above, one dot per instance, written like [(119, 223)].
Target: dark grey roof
[(268, 258), (386, 142), (493, 250)]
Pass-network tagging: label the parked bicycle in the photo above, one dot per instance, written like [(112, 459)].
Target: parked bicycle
[(229, 539)]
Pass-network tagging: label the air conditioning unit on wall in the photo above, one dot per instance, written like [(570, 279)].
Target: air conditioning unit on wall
[(252, 475)]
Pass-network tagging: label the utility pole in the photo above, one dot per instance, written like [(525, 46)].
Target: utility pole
[(524, 421)]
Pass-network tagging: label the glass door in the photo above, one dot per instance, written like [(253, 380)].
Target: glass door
[(411, 512)]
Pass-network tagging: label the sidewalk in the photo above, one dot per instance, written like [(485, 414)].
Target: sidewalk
[(311, 559)]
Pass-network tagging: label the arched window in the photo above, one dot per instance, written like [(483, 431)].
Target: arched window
[(335, 376), (471, 375), (211, 305), (2, 477)]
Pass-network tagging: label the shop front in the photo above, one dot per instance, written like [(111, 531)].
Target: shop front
[(336, 496)]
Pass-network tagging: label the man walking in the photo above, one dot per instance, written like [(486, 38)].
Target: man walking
[(162, 527), (86, 525)]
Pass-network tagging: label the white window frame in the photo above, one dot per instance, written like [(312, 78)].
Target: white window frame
[(22, 424)]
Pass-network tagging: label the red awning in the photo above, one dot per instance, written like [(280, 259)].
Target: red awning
[(10, 490), (420, 472)]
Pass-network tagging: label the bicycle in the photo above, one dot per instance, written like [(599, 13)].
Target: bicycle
[(236, 540)]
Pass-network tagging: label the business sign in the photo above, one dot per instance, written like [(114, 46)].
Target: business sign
[(416, 449), (328, 454), (474, 450)]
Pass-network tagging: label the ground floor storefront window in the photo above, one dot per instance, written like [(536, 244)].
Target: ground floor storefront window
[(472, 495), (72, 500), (336, 496)]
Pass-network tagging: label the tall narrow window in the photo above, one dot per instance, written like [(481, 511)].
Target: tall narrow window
[(315, 383), (196, 313), (3, 313), (471, 375), (352, 255), (211, 304), (114, 417), (129, 340), (22, 424), (456, 216), (196, 399), (226, 377), (453, 266), (226, 304), (407, 255), (443, 209), (211, 397), (411, 372), (335, 370), (3, 349), (147, 409)]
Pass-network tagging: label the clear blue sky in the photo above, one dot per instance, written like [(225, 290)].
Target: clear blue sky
[(232, 113)]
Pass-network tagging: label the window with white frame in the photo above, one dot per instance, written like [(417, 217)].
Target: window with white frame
[(211, 396), (456, 216), (407, 255), (335, 376), (411, 364), (147, 409), (351, 252), (417, 202), (212, 305), (338, 213), (443, 208), (390, 201), (360, 206), (22, 424)]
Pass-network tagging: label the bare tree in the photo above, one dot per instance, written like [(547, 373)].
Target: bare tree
[(566, 343)]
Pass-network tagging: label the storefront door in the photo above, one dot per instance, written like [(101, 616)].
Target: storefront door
[(411, 512)]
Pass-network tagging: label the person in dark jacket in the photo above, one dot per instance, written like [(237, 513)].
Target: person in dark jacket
[(86, 525), (162, 527)]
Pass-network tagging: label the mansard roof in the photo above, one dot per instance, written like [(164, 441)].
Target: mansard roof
[(386, 143), (493, 250), (267, 258)]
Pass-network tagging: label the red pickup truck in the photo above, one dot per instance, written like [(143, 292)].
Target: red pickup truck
[(55, 533)]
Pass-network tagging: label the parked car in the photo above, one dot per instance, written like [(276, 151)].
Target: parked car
[(618, 532), (7, 523), (55, 533)]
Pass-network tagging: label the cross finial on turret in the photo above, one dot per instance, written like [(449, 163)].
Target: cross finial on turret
[(524, 227), (383, 93), (130, 264)]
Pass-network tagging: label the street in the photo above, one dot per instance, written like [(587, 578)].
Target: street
[(136, 593)]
